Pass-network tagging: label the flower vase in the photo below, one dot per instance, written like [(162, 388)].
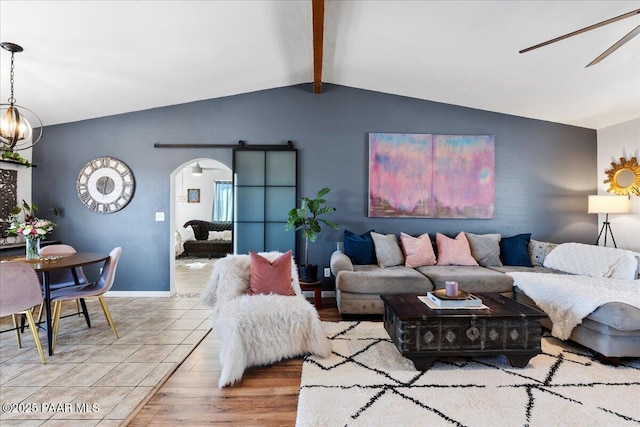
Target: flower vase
[(33, 247)]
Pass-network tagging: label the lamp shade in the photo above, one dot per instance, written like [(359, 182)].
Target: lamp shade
[(197, 169), (608, 204)]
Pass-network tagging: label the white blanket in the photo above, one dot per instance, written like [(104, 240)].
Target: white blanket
[(568, 299)]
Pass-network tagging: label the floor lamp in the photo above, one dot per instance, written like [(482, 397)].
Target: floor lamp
[(608, 205)]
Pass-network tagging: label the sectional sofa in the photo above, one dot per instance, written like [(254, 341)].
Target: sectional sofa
[(612, 328)]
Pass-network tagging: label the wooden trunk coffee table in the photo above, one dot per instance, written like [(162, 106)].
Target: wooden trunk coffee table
[(423, 335)]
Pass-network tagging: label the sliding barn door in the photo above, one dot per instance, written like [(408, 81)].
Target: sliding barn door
[(265, 189)]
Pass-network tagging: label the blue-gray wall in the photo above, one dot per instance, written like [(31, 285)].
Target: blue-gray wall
[(544, 170)]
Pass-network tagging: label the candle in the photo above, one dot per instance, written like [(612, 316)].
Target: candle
[(451, 289)]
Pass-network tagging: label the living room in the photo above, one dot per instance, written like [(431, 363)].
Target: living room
[(548, 159)]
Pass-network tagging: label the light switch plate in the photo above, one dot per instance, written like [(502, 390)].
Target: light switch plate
[(327, 272), (159, 216)]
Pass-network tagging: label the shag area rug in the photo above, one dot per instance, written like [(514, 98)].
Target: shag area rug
[(366, 382)]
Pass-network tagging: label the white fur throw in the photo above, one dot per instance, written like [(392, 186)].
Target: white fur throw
[(568, 299), (259, 329)]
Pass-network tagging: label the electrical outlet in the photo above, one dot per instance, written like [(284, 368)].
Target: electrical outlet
[(327, 272)]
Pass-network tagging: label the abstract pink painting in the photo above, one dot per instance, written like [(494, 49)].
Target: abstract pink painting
[(431, 176)]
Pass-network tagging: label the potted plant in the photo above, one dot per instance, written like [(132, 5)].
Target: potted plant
[(306, 218)]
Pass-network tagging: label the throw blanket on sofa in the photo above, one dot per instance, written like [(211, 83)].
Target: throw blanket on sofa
[(568, 299)]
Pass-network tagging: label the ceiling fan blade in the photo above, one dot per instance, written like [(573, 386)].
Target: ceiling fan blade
[(583, 30), (615, 46)]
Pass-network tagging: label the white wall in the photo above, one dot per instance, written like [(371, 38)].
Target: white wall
[(23, 182), (621, 140)]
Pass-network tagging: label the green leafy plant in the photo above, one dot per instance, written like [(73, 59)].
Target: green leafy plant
[(306, 218), (14, 157)]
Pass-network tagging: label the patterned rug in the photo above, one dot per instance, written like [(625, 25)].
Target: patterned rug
[(365, 382)]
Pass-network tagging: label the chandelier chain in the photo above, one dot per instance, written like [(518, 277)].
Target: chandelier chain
[(11, 99)]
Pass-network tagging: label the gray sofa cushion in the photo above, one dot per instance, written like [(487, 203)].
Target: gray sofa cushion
[(519, 268), (469, 278), (485, 248), (372, 279), (388, 252)]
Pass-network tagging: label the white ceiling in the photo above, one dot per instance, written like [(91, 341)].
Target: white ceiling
[(86, 59)]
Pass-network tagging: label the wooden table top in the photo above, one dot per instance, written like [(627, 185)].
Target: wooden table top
[(409, 307), (52, 262)]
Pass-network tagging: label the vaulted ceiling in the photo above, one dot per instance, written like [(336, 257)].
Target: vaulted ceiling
[(85, 59)]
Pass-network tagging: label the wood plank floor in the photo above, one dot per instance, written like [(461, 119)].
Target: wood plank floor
[(266, 396)]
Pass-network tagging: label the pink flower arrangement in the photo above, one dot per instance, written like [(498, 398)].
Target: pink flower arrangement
[(30, 227)]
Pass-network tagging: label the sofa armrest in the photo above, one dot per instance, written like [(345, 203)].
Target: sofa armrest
[(340, 262)]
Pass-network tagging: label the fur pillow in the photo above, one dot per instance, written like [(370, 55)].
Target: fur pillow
[(418, 251), (454, 251), (270, 277), (388, 251)]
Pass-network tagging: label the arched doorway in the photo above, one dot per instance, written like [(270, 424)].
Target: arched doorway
[(193, 189)]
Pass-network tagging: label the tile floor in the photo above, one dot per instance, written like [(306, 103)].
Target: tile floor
[(192, 274), (94, 379)]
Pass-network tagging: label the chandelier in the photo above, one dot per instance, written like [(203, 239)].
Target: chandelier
[(16, 122)]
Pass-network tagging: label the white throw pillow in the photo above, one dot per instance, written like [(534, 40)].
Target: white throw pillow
[(586, 260), (187, 234), (626, 267), (215, 235)]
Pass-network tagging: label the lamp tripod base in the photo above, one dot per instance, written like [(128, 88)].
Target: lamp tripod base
[(606, 228)]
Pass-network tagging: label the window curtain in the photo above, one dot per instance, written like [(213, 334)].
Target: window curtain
[(223, 202)]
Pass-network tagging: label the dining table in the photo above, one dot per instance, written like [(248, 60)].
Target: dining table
[(52, 262)]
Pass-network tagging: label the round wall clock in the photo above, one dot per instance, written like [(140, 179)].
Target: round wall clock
[(105, 185)]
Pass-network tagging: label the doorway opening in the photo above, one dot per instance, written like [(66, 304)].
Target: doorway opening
[(200, 199)]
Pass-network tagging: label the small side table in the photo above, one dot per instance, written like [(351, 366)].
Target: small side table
[(316, 287)]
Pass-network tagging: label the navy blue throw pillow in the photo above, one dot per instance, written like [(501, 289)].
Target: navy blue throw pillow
[(515, 250), (359, 248)]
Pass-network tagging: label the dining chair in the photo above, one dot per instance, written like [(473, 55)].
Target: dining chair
[(62, 278), (20, 290), (96, 289)]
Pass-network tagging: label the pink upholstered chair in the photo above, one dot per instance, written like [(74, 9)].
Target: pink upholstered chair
[(20, 290), (96, 289), (62, 278)]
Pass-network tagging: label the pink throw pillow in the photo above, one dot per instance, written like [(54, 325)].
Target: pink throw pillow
[(418, 251), (270, 277), (454, 251)]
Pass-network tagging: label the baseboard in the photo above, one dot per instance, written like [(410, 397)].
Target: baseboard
[(138, 294)]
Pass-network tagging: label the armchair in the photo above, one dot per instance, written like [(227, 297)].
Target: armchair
[(260, 329)]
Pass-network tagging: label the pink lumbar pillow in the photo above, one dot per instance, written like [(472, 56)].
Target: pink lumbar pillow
[(270, 277), (418, 251), (454, 251)]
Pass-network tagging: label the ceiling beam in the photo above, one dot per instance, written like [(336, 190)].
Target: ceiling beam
[(318, 37)]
